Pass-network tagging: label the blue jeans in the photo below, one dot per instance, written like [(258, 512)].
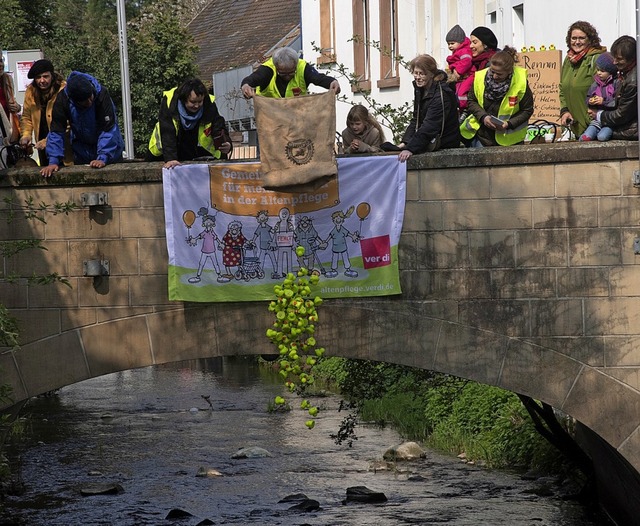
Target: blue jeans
[(602, 134)]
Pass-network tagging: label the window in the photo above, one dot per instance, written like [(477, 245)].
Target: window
[(388, 44), (327, 32), (361, 49)]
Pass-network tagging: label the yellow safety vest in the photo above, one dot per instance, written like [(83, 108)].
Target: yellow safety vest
[(205, 140), (509, 106), (296, 82)]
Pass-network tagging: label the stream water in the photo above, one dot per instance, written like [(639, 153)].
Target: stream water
[(150, 430)]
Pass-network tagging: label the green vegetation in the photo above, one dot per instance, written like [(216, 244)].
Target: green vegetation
[(487, 424), (84, 36)]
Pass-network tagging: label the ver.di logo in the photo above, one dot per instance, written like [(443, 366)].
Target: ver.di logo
[(299, 151)]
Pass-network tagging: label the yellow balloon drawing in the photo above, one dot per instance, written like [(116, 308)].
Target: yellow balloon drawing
[(363, 210), (189, 217)]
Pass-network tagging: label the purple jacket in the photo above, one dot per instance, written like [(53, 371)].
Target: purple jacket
[(605, 89)]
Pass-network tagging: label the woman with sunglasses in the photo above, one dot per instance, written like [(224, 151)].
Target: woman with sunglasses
[(578, 69)]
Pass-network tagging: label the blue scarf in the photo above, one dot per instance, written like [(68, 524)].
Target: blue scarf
[(188, 120)]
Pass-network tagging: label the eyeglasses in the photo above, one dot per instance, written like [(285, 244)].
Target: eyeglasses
[(286, 73), (419, 74), (579, 39)]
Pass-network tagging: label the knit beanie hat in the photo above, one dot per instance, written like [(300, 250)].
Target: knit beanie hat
[(604, 62), (455, 34), (486, 36), (39, 67), (79, 88)]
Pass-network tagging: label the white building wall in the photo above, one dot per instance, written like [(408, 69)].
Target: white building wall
[(423, 25)]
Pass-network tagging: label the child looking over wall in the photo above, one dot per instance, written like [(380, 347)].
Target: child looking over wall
[(363, 133)]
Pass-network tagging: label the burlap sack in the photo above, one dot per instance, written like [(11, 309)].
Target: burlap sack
[(296, 137)]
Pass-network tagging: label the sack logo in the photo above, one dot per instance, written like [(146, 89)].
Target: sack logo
[(299, 151)]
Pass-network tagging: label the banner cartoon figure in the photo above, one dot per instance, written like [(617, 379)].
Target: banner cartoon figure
[(243, 238)]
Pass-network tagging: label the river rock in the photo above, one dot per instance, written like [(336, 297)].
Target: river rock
[(208, 472), (306, 506), (295, 497), (177, 513), (405, 451), (251, 452), (362, 494), (106, 488)]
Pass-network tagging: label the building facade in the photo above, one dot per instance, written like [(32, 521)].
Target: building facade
[(407, 28)]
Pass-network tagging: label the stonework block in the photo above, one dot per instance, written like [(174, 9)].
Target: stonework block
[(14, 295), (595, 247), (511, 318), (525, 364), (557, 318), (443, 250), (624, 281), (52, 363), (153, 255), (104, 314), (542, 248), (492, 248), (522, 181), (11, 376), (36, 324), (459, 183), (53, 257), (614, 413), (148, 222), (74, 318), (566, 212), (618, 212), (589, 350), (117, 346), (54, 295), (408, 251), (421, 216), (413, 186), (524, 283), (122, 255), (504, 214), (84, 223), (150, 290), (13, 225), (118, 196), (483, 353), (627, 168), (582, 282), (627, 375), (588, 179), (629, 257), (152, 195), (622, 351), (612, 316), (103, 291), (446, 284)]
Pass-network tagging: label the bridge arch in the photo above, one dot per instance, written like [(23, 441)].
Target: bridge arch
[(517, 267)]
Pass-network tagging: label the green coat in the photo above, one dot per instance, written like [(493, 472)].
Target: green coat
[(575, 80)]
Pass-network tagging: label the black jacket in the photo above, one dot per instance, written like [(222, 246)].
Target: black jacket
[(183, 146), (623, 120), (427, 119)]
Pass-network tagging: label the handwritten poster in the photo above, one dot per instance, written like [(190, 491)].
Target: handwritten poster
[(544, 69)]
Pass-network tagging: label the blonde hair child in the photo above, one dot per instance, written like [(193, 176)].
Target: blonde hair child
[(363, 133)]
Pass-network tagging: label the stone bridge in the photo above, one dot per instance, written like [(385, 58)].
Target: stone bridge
[(518, 270)]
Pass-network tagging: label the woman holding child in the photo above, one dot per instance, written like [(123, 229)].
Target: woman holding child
[(500, 103), (578, 69), (623, 119)]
